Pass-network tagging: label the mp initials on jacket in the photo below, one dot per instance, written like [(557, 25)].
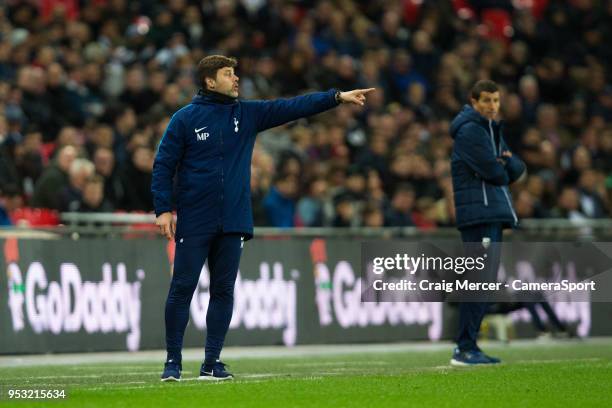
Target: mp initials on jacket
[(208, 144)]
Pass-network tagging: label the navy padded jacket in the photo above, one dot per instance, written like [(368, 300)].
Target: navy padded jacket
[(480, 182), (209, 144)]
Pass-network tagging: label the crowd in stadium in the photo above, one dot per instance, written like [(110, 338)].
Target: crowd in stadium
[(88, 87)]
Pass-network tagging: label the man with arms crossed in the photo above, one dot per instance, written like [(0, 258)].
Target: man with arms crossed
[(482, 167), (209, 144)]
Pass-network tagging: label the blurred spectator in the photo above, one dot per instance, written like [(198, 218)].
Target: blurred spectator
[(373, 216), (354, 187), (580, 161), (104, 162), (289, 164), (102, 75), (374, 188), (136, 180), (530, 97), (375, 155), (345, 212), (591, 199), (66, 108), (548, 125), (515, 125), (136, 93), (524, 205), (258, 191), (29, 160), (310, 208), (71, 195), (53, 180), (170, 102), (101, 136), (92, 199), (279, 203), (400, 212), (569, 205), (36, 106), (10, 200), (8, 145), (442, 212), (124, 120)]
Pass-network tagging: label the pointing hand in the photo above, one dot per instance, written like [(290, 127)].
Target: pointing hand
[(357, 96)]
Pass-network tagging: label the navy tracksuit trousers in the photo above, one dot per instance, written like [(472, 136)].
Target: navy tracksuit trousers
[(223, 252), (472, 313)]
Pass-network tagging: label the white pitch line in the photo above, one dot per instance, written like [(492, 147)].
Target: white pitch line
[(338, 363), (124, 382), (241, 377), (118, 388), (264, 375), (555, 361), (103, 366), (46, 377), (193, 383), (273, 352)]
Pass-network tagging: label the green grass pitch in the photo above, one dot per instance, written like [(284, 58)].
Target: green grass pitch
[(555, 374)]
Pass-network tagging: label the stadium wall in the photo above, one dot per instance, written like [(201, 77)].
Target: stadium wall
[(65, 295)]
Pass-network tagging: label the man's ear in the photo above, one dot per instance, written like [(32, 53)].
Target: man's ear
[(210, 83)]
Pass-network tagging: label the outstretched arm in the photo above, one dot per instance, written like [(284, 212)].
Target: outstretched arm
[(272, 113)]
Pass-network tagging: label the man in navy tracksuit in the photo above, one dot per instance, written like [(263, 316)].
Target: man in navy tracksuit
[(482, 167), (208, 145)]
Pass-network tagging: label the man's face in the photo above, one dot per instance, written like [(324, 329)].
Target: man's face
[(66, 157), (93, 194), (104, 161), (143, 159), (225, 83), (487, 104)]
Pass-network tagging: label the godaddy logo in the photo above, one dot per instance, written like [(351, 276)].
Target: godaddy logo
[(71, 304), (338, 298)]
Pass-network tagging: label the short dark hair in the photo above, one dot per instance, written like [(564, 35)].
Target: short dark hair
[(485, 85), (208, 66)]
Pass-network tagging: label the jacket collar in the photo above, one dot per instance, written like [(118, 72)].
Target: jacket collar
[(469, 114), (472, 114), (207, 96)]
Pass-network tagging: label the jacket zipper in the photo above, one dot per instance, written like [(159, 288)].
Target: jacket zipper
[(495, 151), (510, 205), (484, 194)]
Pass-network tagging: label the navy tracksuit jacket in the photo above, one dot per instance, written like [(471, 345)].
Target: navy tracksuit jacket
[(208, 144), (483, 204), (480, 182)]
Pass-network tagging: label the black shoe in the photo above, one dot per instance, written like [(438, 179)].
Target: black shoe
[(172, 371), (214, 372), (471, 358)]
